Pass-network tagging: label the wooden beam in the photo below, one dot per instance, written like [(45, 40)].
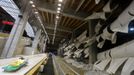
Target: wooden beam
[(56, 38), (60, 28), (57, 35), (47, 18), (60, 20)]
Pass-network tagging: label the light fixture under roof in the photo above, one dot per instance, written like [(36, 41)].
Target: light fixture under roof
[(60, 0), (31, 2), (58, 8), (57, 16), (33, 5), (36, 12), (58, 11), (59, 5)]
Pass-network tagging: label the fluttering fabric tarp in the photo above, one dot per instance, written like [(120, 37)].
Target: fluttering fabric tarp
[(82, 36), (121, 23), (128, 67), (102, 65), (125, 50), (115, 64)]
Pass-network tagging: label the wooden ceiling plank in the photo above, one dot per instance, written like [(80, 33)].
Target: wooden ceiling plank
[(92, 5), (51, 18), (87, 4), (60, 21), (67, 22), (79, 6), (57, 35), (61, 29), (64, 21), (72, 22), (72, 3), (80, 25), (67, 3), (47, 17), (54, 18), (42, 13), (100, 6), (75, 23)]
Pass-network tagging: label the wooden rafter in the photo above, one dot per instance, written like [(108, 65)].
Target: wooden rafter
[(58, 35), (64, 21), (67, 22), (79, 6), (60, 19), (78, 24), (72, 3), (47, 17), (42, 13), (92, 5), (67, 3), (60, 28), (99, 6), (60, 22), (87, 4), (72, 21), (75, 23), (54, 17), (51, 19)]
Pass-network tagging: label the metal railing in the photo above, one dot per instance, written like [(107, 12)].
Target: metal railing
[(58, 70), (61, 68)]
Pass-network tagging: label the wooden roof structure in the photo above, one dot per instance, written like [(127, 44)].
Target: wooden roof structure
[(73, 14)]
